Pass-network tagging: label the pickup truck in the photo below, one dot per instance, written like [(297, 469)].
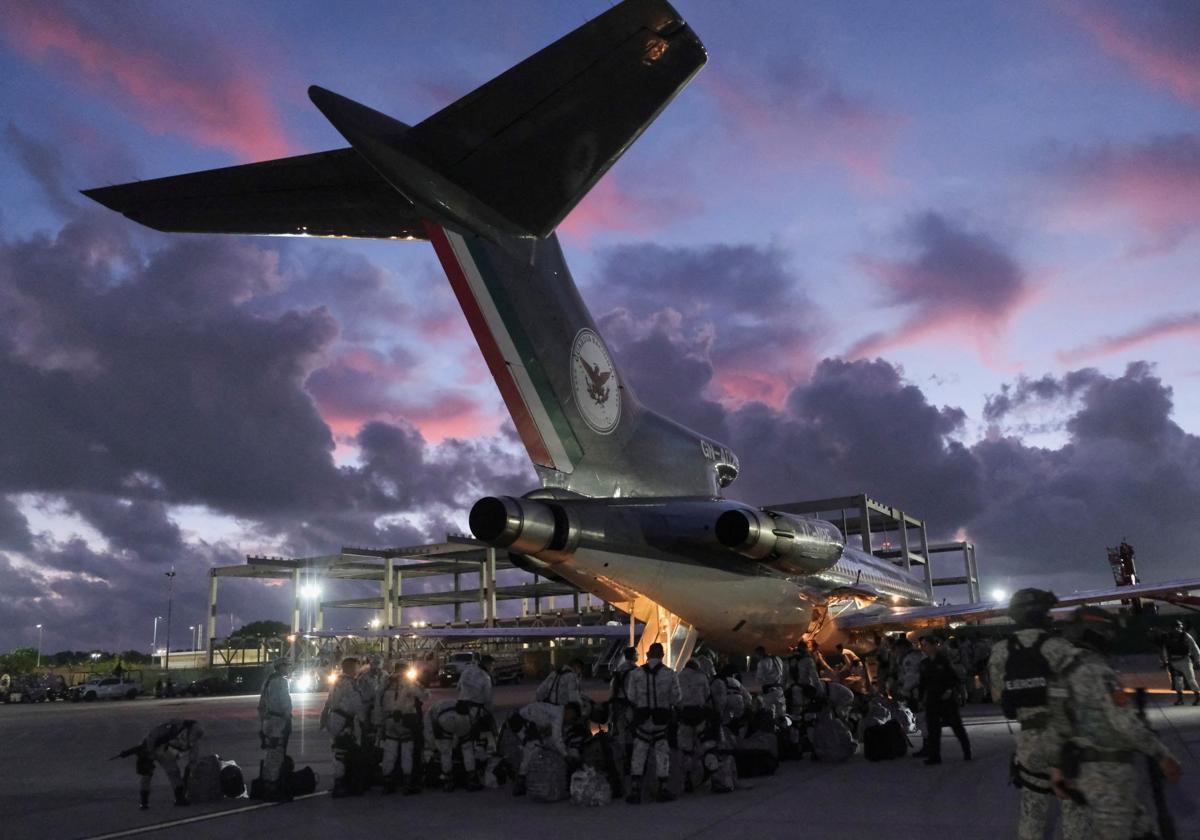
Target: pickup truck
[(105, 688), (504, 668)]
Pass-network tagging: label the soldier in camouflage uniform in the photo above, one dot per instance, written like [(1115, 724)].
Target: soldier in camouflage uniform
[(1100, 736), (1030, 609)]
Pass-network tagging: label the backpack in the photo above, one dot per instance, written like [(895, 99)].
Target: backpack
[(832, 740), (1027, 677), (1176, 645), (884, 742)]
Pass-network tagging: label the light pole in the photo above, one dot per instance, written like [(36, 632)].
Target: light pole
[(310, 592), (170, 592), (154, 638), (39, 658), (192, 636)]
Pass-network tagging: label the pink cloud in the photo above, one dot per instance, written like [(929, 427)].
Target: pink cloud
[(797, 114), (1157, 183), (1158, 41), (957, 281), (1172, 325), (613, 206), (204, 94)]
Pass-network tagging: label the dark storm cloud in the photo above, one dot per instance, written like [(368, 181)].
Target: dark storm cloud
[(1037, 515), (14, 528), (728, 302), (954, 277), (43, 162), (1127, 470)]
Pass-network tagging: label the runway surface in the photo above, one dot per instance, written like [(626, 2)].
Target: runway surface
[(56, 782)]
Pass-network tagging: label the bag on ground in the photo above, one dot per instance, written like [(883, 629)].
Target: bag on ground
[(590, 788), (832, 740), (204, 782), (233, 783), (546, 780), (885, 741)]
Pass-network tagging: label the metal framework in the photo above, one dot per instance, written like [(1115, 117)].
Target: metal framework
[(866, 518), (390, 567)]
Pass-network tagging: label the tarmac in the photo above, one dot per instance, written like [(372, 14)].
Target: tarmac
[(56, 781)]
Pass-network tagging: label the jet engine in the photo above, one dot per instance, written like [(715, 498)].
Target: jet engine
[(791, 544), (523, 526)]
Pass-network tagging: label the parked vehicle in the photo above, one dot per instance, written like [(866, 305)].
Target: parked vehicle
[(105, 688), (504, 668), (208, 686)]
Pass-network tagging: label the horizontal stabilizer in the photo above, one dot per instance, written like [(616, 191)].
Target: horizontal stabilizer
[(530, 143), (324, 194)]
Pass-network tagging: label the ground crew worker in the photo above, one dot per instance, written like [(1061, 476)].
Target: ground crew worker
[(274, 730), (1100, 735), (939, 692), (342, 719), (163, 746), (456, 724), (1181, 656), (1030, 610), (399, 721), (475, 686), (695, 710), (769, 672), (654, 692), (561, 686)]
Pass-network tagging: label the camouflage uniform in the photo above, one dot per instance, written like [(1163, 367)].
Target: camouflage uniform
[(1036, 747), (1096, 719), (398, 717), (275, 728), (695, 712)]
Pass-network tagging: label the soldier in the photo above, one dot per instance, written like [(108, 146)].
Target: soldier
[(802, 670), (562, 686), (399, 720), (730, 698), (475, 687), (1181, 657), (457, 724), (1099, 735), (620, 710), (695, 710), (654, 691), (370, 684), (163, 746), (274, 729), (939, 692), (342, 718), (1027, 699), (704, 661), (769, 672)]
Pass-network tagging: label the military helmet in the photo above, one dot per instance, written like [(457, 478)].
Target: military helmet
[(1030, 606), (1092, 626)]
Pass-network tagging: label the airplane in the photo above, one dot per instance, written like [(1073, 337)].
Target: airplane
[(630, 505)]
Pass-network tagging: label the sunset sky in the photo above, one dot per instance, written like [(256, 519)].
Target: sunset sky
[(944, 254)]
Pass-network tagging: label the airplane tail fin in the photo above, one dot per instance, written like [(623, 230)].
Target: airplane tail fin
[(530, 143)]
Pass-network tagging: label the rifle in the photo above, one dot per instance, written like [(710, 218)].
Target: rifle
[(1166, 825)]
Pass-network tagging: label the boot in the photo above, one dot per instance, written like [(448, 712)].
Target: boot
[(1178, 698), (634, 796), (389, 785), (448, 785), (1196, 702), (519, 786), (966, 752), (144, 800), (664, 793), (339, 788), (181, 797), (412, 787), (473, 784)]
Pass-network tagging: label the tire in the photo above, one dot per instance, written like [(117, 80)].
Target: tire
[(131, 694), (89, 697)]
